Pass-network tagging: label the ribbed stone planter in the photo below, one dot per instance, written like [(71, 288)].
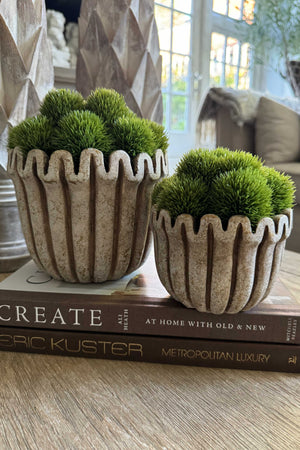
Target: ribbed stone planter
[(87, 227), (214, 270)]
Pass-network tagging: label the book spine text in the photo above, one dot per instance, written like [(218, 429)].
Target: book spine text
[(148, 319), (170, 350)]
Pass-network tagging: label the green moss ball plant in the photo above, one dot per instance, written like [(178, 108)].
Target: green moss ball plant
[(78, 130), (108, 104), (182, 195), (220, 224), (88, 204), (103, 121), (241, 192), (32, 133), (282, 189), (208, 164), (133, 135), (59, 102), (160, 136), (197, 164), (225, 183)]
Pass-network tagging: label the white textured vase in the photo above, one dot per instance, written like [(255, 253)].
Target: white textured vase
[(26, 76), (214, 270), (87, 227), (25, 62)]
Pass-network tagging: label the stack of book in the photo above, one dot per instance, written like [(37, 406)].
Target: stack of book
[(135, 319)]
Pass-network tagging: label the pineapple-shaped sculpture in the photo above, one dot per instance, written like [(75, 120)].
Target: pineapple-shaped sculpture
[(119, 49), (26, 74), (26, 62)]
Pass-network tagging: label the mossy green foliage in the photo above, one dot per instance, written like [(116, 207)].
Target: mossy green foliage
[(160, 136), (103, 121), (108, 104), (224, 183), (282, 187), (198, 164), (182, 196), (79, 130), (133, 135), (59, 102), (209, 164), (32, 133), (241, 192), (158, 188)]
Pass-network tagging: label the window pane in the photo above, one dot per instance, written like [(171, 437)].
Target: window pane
[(220, 6), (165, 100), (216, 73), (165, 2), (230, 76), (244, 79), (180, 67), (178, 112), (232, 51), (163, 20), (165, 73), (181, 33), (245, 55), (183, 5), (217, 47), (248, 10), (234, 9)]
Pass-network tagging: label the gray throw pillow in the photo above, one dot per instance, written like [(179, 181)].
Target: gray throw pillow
[(277, 132)]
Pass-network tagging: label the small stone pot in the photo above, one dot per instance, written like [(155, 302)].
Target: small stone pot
[(87, 227), (214, 270)]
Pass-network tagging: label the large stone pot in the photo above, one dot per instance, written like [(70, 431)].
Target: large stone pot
[(13, 250), (214, 270), (87, 227)]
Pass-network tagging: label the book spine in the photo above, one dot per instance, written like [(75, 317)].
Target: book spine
[(169, 350), (47, 311)]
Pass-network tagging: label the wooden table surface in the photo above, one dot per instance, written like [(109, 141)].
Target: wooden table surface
[(50, 402)]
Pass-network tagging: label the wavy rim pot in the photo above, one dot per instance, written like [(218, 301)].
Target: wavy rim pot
[(90, 226), (215, 270)]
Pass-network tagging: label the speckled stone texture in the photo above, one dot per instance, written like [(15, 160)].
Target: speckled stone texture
[(214, 270), (87, 227)]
